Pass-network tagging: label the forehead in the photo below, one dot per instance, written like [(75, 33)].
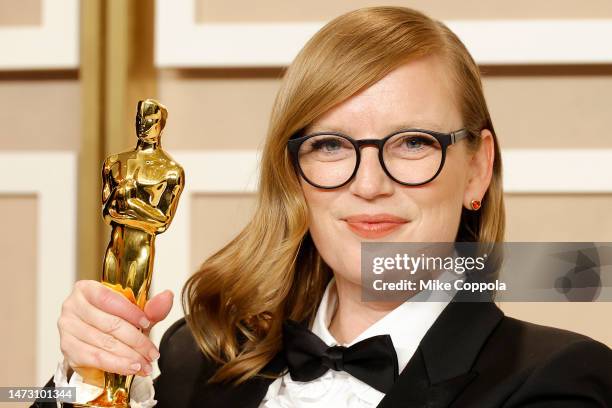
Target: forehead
[(416, 94)]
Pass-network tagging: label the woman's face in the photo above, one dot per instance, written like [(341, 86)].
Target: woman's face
[(417, 94)]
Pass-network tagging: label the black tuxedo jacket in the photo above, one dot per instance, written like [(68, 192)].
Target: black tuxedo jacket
[(472, 356)]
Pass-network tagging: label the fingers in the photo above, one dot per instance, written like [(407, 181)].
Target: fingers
[(86, 355), (106, 325), (103, 341), (100, 329), (112, 302), (157, 308)]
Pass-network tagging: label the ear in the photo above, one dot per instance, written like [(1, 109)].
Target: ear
[(480, 170)]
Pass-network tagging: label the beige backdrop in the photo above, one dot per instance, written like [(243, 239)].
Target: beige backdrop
[(532, 107)]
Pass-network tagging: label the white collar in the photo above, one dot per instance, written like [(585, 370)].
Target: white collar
[(406, 324)]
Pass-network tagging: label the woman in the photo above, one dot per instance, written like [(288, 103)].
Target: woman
[(245, 341)]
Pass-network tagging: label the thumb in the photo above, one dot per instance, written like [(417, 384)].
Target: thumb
[(158, 307)]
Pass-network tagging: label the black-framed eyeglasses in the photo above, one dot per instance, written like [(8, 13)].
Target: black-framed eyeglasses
[(411, 157)]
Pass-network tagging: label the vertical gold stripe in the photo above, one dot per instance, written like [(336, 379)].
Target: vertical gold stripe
[(131, 74), (141, 70), (116, 137), (89, 223)]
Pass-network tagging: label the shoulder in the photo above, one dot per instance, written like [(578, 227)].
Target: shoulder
[(178, 345), (183, 366), (179, 351), (172, 164), (110, 160), (536, 344), (178, 327), (548, 362), (541, 340)]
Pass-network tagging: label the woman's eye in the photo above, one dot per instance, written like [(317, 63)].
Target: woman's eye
[(326, 149), (416, 142), (326, 144)]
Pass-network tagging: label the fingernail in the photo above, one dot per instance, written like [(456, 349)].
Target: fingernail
[(135, 366), (144, 322), (147, 369), (154, 355)]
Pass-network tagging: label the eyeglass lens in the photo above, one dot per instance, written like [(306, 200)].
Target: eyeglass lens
[(330, 160)]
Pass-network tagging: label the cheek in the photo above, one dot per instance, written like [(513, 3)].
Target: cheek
[(334, 242), (440, 205)]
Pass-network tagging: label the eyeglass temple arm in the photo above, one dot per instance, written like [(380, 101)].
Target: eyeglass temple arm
[(458, 135)]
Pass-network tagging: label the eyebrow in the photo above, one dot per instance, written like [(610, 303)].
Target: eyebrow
[(414, 125)]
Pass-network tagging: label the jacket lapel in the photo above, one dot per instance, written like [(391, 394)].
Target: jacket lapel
[(441, 366)]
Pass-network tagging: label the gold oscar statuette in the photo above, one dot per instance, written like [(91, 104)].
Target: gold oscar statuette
[(140, 194)]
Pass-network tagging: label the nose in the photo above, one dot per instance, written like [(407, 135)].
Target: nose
[(371, 181)]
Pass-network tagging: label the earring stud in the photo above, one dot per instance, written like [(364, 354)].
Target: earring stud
[(475, 204)]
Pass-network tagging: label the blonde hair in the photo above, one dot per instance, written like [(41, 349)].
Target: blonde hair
[(236, 302)]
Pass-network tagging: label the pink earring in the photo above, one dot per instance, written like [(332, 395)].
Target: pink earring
[(475, 204)]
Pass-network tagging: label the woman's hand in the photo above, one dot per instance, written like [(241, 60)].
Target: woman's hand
[(99, 330)]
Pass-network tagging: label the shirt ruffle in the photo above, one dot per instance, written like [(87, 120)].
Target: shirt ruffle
[(332, 389), (141, 392)]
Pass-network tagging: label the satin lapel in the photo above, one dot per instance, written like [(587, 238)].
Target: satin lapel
[(441, 366), (249, 394), (413, 388)]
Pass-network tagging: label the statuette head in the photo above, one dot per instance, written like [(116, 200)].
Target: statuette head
[(150, 120)]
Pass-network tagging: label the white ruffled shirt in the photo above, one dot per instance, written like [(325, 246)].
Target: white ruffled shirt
[(406, 324)]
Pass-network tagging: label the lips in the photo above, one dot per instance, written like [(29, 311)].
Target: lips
[(374, 225)]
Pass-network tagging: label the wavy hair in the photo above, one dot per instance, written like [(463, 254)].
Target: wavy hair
[(236, 302)]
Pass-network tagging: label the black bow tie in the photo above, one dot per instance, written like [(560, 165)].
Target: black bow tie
[(372, 360)]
